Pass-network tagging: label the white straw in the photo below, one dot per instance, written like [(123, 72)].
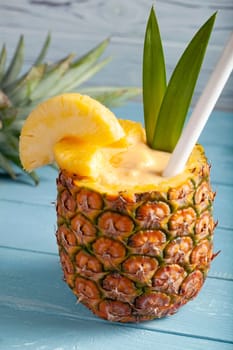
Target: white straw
[(201, 112)]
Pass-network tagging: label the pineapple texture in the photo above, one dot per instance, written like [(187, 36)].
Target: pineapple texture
[(136, 257)]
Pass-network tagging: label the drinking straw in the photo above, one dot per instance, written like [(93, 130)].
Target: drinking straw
[(201, 112)]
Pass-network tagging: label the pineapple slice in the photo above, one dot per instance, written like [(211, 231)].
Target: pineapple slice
[(134, 133), (62, 116), (78, 157)]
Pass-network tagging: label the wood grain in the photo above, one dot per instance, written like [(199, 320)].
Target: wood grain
[(77, 26)]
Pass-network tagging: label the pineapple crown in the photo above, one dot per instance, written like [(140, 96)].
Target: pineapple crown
[(21, 93), (166, 105)]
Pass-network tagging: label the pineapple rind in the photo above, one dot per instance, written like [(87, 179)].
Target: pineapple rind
[(133, 257)]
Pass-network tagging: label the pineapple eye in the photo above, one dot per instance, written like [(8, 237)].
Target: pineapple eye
[(169, 278), (115, 225), (192, 284), (140, 268), (153, 215), (83, 229)]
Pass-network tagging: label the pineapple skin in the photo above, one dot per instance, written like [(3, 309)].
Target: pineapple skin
[(136, 257)]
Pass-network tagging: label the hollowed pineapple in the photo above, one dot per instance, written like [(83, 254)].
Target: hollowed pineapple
[(133, 245), (133, 256)]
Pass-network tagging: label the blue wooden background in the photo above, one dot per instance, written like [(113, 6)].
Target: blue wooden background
[(78, 25), (37, 309)]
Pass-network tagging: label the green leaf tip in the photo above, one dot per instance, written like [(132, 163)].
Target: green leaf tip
[(175, 99), (154, 75)]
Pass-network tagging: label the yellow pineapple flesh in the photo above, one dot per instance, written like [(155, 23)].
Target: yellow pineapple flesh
[(72, 115)]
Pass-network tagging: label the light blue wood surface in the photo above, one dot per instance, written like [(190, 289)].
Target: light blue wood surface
[(37, 309), (78, 25)]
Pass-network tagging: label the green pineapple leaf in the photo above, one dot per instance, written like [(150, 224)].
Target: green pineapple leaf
[(43, 51), (15, 64), (79, 69), (180, 89), (2, 61), (111, 96), (5, 165), (51, 77), (21, 93), (154, 76)]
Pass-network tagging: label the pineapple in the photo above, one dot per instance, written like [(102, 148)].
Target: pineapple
[(20, 93), (134, 245), (133, 256)]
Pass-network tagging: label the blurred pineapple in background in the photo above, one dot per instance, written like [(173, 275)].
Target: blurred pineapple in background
[(20, 93)]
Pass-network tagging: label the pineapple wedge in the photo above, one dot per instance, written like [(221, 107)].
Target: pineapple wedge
[(61, 116), (78, 157)]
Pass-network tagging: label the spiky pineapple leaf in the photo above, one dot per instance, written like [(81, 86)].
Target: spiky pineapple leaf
[(111, 96), (79, 69), (15, 65), (5, 165), (180, 90), (51, 78), (2, 61), (43, 51), (91, 56), (86, 75), (29, 75), (154, 75), (20, 94)]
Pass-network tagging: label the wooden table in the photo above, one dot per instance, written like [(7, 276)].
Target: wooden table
[(37, 309)]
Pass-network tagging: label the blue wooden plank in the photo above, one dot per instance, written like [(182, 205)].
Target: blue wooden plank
[(221, 160), (32, 282), (23, 189), (37, 331), (218, 130), (28, 226), (221, 266), (223, 206)]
